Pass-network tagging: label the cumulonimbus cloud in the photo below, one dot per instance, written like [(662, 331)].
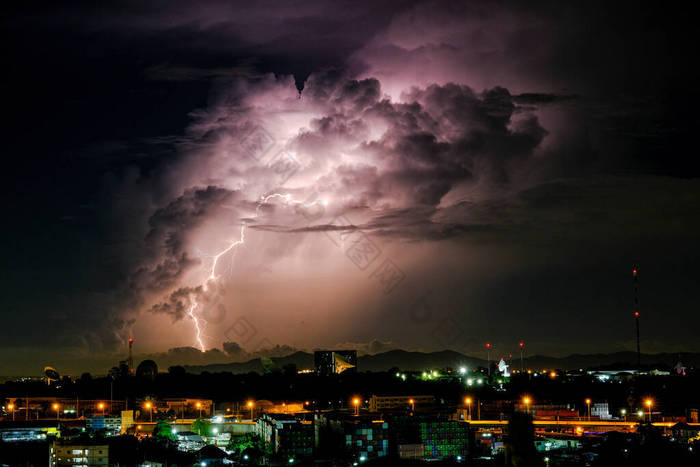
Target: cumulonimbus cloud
[(398, 168)]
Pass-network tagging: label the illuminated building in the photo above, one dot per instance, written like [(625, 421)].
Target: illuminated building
[(601, 410), (32, 430), (286, 435), (69, 454), (189, 441), (411, 451), (111, 425), (548, 444), (444, 438), (329, 362), (367, 439)]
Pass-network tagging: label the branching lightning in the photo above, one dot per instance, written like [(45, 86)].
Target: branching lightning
[(196, 320)]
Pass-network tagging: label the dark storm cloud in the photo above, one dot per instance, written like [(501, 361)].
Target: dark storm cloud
[(539, 98), (169, 224), (177, 304), (122, 151), (437, 139), (169, 227)]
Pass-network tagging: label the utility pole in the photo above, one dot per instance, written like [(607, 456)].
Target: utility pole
[(635, 280), (488, 356), (131, 357)]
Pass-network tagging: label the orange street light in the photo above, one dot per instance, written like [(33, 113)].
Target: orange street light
[(56, 407), (101, 406), (649, 403), (250, 406), (526, 401), (412, 403), (468, 401), (199, 406), (149, 406), (588, 403), (356, 403), (11, 408)]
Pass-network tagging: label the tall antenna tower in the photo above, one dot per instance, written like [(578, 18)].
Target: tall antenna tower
[(635, 281), (131, 357)]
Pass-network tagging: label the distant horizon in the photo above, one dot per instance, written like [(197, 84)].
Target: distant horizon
[(167, 361)]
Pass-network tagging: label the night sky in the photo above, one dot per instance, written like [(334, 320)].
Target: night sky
[(374, 175)]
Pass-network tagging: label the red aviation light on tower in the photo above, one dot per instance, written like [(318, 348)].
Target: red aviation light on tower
[(634, 272), (131, 339), (522, 344), (636, 314), (488, 345)]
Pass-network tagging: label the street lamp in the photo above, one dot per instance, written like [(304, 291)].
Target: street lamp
[(488, 356), (468, 401), (101, 406), (356, 403), (250, 406), (649, 403), (149, 406), (623, 412), (11, 408), (199, 406), (522, 364), (412, 402), (526, 401), (588, 403), (56, 407)]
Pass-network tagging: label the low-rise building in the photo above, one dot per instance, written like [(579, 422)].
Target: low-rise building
[(32, 430), (367, 438), (67, 453), (189, 441), (444, 438), (601, 410), (111, 425), (411, 451), (286, 435), (380, 403)]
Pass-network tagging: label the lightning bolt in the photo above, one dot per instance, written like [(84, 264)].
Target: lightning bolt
[(196, 320), (240, 241)]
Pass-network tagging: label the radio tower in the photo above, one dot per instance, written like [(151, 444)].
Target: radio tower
[(131, 358), (635, 280)]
